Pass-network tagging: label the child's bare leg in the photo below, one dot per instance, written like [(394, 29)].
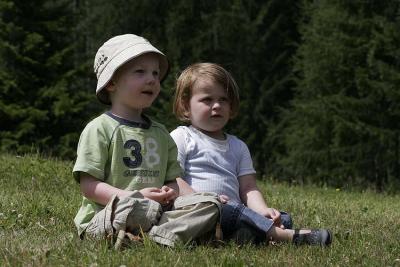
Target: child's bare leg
[(320, 237), (283, 235)]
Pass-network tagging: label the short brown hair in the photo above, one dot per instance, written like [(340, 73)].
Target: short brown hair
[(188, 78)]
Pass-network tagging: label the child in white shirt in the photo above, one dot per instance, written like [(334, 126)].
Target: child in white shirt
[(213, 161)]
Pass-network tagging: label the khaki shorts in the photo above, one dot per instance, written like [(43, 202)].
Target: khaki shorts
[(190, 217)]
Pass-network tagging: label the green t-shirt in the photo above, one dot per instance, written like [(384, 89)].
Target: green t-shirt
[(125, 154)]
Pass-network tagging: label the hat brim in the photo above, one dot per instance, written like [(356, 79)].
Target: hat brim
[(123, 57)]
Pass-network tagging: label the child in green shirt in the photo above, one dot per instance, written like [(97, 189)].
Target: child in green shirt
[(126, 163)]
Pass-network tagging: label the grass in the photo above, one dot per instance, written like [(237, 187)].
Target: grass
[(39, 198)]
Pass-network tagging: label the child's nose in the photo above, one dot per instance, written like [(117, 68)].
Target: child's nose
[(216, 105), (151, 78)]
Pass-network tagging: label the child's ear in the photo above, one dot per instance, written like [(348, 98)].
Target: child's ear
[(110, 87), (186, 114), (186, 111)]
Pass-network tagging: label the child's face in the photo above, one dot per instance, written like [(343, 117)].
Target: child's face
[(209, 107), (136, 84)]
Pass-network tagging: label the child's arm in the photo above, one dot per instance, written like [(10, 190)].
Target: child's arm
[(184, 187), (101, 192), (252, 197)]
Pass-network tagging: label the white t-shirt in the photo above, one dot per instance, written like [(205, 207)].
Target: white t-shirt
[(212, 165)]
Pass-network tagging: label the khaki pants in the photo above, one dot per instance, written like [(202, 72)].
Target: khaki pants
[(190, 217)]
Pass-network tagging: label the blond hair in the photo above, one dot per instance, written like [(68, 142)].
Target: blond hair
[(188, 78)]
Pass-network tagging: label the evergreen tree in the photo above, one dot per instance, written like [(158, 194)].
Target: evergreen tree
[(38, 108), (255, 41), (344, 125)]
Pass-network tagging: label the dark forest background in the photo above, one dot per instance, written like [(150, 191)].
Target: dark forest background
[(319, 79)]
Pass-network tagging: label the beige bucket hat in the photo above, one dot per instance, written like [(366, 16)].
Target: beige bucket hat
[(117, 51)]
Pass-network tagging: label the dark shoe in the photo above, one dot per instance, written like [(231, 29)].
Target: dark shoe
[(317, 237)]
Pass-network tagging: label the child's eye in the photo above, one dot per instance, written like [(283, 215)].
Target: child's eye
[(206, 99), (156, 73), (139, 71)]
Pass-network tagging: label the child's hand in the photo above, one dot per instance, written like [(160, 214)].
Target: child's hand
[(171, 194), (274, 215), (155, 194), (223, 198)]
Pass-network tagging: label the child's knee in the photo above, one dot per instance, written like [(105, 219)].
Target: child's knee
[(286, 220), (135, 215), (131, 214)]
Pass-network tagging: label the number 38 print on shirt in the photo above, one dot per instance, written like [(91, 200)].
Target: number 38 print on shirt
[(136, 158)]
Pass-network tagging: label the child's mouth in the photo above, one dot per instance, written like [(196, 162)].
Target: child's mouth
[(147, 92)]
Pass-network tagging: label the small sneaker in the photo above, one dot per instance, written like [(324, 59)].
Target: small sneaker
[(317, 237)]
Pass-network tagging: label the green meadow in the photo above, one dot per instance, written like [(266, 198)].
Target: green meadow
[(39, 199)]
